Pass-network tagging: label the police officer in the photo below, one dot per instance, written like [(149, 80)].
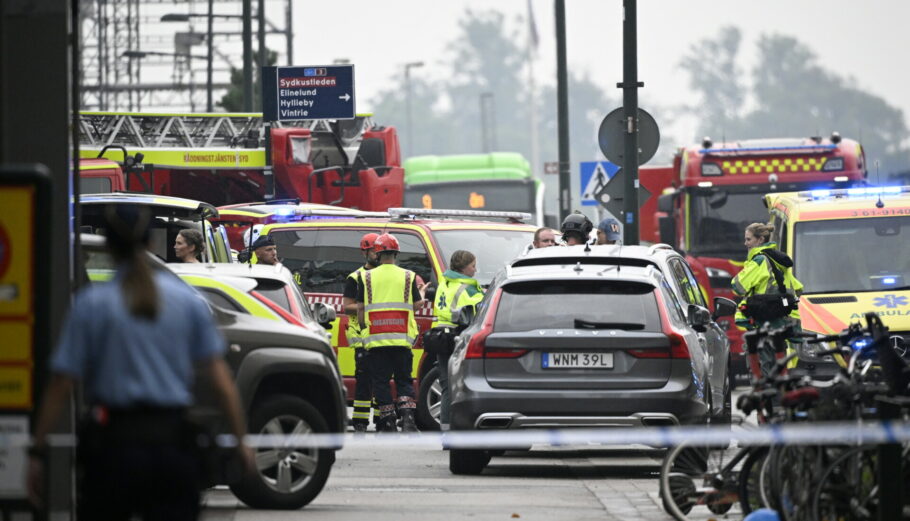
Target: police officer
[(363, 390), (458, 290), (608, 231), (576, 228), (388, 298), (265, 250), (757, 278), (133, 343)]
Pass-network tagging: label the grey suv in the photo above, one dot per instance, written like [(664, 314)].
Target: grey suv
[(583, 344)]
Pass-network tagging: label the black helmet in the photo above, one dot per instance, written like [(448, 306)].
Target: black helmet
[(577, 223)]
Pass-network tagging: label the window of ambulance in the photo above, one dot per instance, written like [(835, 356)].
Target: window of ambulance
[(849, 255), (325, 257), (527, 306), (493, 248)]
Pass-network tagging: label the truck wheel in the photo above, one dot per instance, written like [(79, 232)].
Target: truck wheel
[(287, 478), (468, 461), (429, 400)]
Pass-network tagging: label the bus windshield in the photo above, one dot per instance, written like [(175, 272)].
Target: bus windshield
[(719, 219), (505, 196), (849, 255)]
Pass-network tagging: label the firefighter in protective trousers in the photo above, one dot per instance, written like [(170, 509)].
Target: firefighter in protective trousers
[(363, 390), (388, 298)]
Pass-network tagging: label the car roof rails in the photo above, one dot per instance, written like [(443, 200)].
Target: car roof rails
[(415, 213)]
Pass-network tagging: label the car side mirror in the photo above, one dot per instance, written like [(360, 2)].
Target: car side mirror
[(463, 316), (723, 307), (699, 318), (325, 315)]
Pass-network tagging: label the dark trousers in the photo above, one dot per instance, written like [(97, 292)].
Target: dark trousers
[(363, 389), (154, 475), (386, 363)]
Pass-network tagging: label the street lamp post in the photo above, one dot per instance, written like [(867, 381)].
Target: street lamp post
[(247, 43), (407, 81), (488, 121)]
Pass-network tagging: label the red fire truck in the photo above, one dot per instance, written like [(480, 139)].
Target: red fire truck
[(221, 158), (715, 190)]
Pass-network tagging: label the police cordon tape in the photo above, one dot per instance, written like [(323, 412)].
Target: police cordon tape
[(817, 433)]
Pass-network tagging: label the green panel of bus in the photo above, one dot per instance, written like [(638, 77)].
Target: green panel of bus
[(500, 181)]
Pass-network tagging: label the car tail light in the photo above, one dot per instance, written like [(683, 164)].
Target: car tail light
[(476, 346), (678, 346)]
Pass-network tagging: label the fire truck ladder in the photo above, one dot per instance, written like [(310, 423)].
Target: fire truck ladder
[(227, 130)]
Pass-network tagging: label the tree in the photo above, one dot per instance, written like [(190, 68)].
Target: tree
[(792, 95), (232, 101)]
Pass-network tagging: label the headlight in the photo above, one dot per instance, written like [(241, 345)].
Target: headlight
[(711, 169), (834, 164)]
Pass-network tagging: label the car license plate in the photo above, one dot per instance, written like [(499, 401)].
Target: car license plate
[(577, 361)]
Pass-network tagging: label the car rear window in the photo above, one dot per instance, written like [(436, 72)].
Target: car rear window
[(527, 306)]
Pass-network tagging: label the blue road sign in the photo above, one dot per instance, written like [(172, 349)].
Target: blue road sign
[(296, 93), (594, 176)]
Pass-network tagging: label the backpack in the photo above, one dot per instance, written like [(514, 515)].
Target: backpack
[(770, 306)]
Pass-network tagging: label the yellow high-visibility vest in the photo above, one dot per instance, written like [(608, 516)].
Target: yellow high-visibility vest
[(353, 332), (389, 307), (451, 295)]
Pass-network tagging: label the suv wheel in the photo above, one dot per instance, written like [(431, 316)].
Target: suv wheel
[(429, 401), (286, 478), (468, 461)]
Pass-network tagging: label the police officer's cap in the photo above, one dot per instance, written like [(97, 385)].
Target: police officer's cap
[(262, 242)]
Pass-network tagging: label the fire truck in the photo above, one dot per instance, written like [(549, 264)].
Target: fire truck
[(714, 190), (220, 158)]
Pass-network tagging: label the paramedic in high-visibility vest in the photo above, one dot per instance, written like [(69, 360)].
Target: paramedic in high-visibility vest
[(458, 290), (388, 298), (363, 389)]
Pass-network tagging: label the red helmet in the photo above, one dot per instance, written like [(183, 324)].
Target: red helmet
[(385, 242), (366, 243)]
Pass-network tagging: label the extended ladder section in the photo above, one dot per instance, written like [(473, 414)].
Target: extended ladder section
[(208, 130)]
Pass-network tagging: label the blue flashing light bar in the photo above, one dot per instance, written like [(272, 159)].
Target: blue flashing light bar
[(873, 191), (889, 280)]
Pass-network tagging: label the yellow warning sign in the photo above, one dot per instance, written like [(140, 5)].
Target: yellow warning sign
[(17, 340), (15, 387), (16, 250)]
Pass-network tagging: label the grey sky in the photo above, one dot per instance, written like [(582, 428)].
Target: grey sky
[(862, 40)]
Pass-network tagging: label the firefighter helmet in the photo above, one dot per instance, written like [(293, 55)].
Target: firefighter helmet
[(366, 243), (577, 222), (385, 243)]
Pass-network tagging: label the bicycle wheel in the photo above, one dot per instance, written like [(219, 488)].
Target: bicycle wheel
[(696, 481), (750, 480), (847, 490), (796, 469)]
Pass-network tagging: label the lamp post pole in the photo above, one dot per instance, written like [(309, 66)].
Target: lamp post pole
[(407, 81), (210, 56), (247, 56)]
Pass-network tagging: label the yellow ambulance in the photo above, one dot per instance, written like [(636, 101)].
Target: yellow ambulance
[(851, 251)]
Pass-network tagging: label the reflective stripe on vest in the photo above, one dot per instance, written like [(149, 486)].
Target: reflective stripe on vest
[(352, 332), (390, 320)]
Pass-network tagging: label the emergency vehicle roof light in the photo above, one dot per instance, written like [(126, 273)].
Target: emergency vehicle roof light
[(855, 192), (403, 213), (795, 148)]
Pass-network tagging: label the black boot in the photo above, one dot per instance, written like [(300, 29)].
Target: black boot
[(407, 421), (387, 424), (360, 428)]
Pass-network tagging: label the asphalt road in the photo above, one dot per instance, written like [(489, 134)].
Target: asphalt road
[(371, 483)]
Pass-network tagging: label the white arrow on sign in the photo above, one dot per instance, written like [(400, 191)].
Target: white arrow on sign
[(346, 97)]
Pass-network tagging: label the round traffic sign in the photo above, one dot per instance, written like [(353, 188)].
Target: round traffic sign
[(612, 132)]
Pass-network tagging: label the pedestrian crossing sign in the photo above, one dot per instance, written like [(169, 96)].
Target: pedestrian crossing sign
[(594, 176)]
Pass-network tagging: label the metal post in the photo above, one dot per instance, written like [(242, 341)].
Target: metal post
[(630, 111), (562, 108), (288, 32), (263, 51), (247, 56), (210, 57), (410, 120)]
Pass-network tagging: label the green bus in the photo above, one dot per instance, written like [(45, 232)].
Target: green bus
[(500, 181)]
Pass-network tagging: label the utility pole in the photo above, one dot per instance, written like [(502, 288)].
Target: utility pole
[(247, 56), (263, 51), (210, 58), (630, 87), (562, 108)]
